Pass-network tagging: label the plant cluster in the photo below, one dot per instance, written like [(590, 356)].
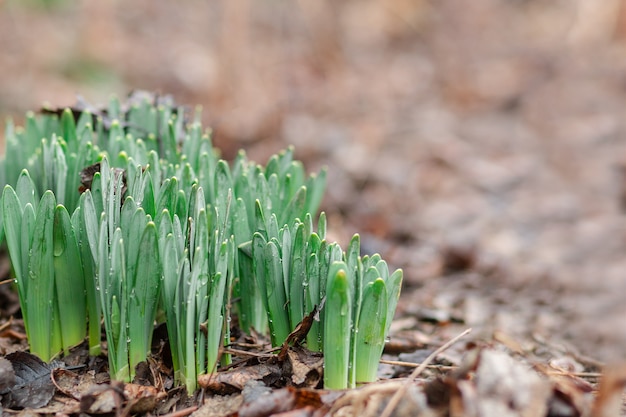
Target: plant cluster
[(116, 215)]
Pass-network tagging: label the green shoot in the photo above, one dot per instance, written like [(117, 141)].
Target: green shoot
[(337, 328), (45, 257)]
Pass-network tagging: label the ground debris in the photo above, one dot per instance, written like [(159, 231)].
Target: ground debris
[(300, 402), (478, 378), (7, 375), (32, 387), (500, 386), (371, 400), (234, 380), (609, 401), (299, 367), (490, 382), (219, 406), (306, 367)]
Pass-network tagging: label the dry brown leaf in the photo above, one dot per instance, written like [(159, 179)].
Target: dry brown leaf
[(103, 399), (306, 367), (7, 375), (235, 379), (32, 387), (281, 401), (609, 399), (220, 406), (371, 400), (500, 387), (141, 398)]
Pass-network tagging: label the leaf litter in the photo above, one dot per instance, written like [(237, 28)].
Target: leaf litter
[(463, 377)]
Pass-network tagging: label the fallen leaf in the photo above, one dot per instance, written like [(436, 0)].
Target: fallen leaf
[(566, 364), (371, 400), (297, 336), (235, 379), (500, 387), (103, 399), (307, 367), (571, 395), (32, 387), (609, 399), (300, 412), (280, 401), (67, 382), (141, 398), (220, 406), (7, 375)]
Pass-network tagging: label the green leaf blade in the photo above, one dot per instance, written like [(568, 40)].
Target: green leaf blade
[(370, 337), (44, 340), (337, 328), (69, 280)]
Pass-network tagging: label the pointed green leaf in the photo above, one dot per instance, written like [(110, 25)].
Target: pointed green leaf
[(337, 324), (370, 338), (70, 284), (41, 282)]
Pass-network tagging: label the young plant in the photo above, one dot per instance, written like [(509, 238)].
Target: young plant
[(126, 255), (337, 327), (372, 299), (198, 270), (296, 270), (281, 188), (53, 150), (46, 260), (152, 203)]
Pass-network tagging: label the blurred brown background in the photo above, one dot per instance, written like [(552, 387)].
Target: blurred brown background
[(480, 145)]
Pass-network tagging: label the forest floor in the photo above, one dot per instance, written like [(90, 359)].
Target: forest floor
[(482, 149)]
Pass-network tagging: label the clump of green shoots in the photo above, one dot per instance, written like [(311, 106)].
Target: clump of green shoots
[(46, 259), (114, 214), (198, 269), (126, 256), (297, 268), (362, 296)]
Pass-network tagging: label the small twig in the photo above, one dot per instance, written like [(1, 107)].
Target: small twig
[(577, 374), (14, 334), (7, 281), (248, 353), (570, 350), (6, 325), (64, 391), (249, 345), (415, 365), (393, 403), (258, 354), (182, 413), (453, 367)]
